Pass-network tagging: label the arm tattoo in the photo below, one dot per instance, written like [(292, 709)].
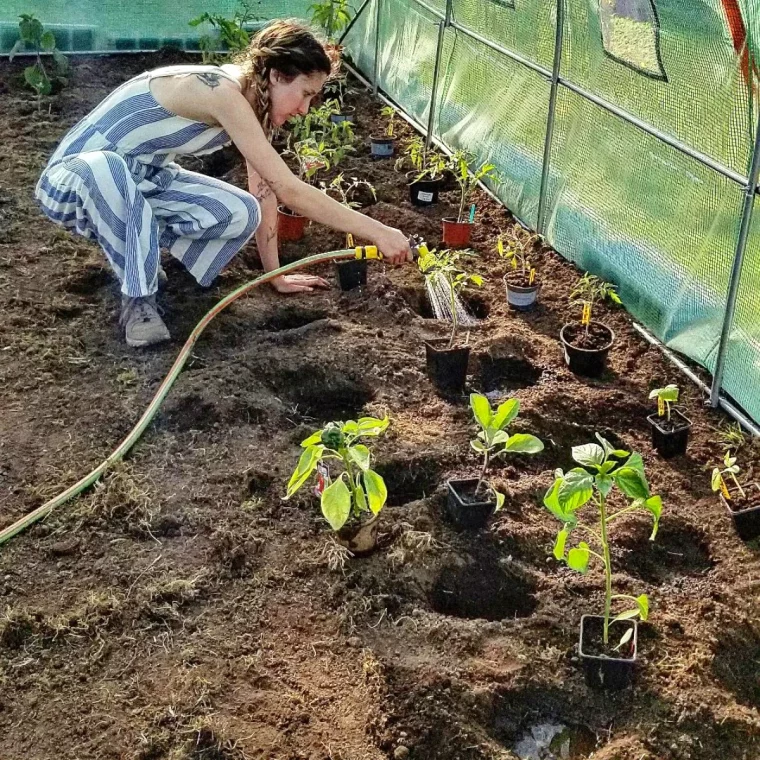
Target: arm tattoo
[(262, 190), (212, 80)]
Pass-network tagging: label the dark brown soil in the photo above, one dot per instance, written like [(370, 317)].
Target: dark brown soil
[(595, 338), (181, 609), (593, 639), (676, 422), (520, 279)]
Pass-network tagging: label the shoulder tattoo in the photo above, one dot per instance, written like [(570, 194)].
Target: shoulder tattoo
[(210, 79)]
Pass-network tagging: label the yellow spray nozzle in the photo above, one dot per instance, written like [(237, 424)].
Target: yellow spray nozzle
[(368, 252)]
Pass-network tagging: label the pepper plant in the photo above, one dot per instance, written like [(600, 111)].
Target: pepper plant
[(667, 395), (358, 489), (33, 35), (493, 441), (590, 290), (428, 164), (467, 180), (443, 272), (603, 467), (730, 469)]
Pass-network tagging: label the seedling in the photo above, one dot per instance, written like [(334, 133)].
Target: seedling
[(444, 276), (32, 34), (515, 251), (730, 469), (602, 468), (358, 489), (467, 180), (390, 113), (311, 157), (344, 189), (665, 397), (493, 441), (588, 291), (231, 32), (428, 164), (731, 437), (331, 15)]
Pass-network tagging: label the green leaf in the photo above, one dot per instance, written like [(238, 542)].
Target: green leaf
[(478, 446), (609, 449), (506, 413), (306, 464), (577, 559), (627, 615), (360, 455), (589, 455), (654, 505), (668, 393), (576, 489), (637, 463), (499, 500), (360, 498), (313, 439), (624, 639), (604, 483), (524, 443), (481, 408), (47, 41), (336, 503), (372, 425), (559, 544), (643, 602), (631, 482), (17, 48), (716, 478), (377, 493), (500, 436), (551, 502), (37, 79)]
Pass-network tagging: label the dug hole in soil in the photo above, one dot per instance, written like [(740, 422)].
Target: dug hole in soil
[(181, 609)]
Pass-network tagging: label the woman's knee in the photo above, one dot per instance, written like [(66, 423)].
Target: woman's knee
[(246, 216)]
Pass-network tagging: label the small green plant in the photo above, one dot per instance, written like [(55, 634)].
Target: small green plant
[(493, 441), (731, 436), (230, 32), (332, 15), (390, 113), (428, 164), (602, 469), (515, 250), (311, 157), (443, 267), (33, 35), (344, 189), (590, 290), (358, 489), (318, 126), (665, 397), (730, 469), (467, 180)]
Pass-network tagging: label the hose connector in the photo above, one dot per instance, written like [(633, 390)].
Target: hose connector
[(367, 252)]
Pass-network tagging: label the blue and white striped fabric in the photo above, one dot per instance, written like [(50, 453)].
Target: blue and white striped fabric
[(113, 179)]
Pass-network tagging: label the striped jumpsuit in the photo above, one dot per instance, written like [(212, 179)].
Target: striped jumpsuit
[(113, 179)]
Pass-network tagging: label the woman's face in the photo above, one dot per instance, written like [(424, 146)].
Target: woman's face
[(292, 98)]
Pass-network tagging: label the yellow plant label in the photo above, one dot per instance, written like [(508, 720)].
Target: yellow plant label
[(349, 240), (500, 247), (586, 314), (724, 489), (660, 407), (532, 276)]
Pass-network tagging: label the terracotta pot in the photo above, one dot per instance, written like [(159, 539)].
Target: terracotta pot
[(456, 234), (360, 538), (290, 226)]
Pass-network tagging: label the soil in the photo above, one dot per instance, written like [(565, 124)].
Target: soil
[(520, 279), (181, 609), (596, 338), (676, 422), (738, 503), (468, 492), (593, 639)]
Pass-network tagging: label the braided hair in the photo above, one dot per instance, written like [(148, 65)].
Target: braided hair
[(286, 46)]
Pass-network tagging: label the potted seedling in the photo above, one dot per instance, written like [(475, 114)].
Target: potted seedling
[(311, 157), (670, 428), (383, 146), (607, 644), (520, 283), (743, 504), (351, 500), (444, 278), (586, 343), (351, 274), (426, 175), (457, 231), (471, 502)]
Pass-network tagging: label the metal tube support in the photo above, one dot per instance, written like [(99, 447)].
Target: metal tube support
[(558, 40), (736, 268), (437, 73), (375, 75)]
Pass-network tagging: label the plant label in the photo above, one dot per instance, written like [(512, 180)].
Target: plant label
[(425, 197), (724, 489), (660, 407), (586, 318)]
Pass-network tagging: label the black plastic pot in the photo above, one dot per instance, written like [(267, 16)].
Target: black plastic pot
[(670, 443), (584, 361), (601, 672), (351, 274), (446, 367), (424, 192), (467, 511), (746, 521)]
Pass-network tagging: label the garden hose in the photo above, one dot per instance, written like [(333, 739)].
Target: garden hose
[(360, 252)]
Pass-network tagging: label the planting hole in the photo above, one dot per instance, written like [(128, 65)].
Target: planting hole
[(88, 281), (555, 741), (291, 317), (737, 664), (476, 305), (325, 398), (408, 478), (481, 588), (418, 300), (507, 373), (191, 412)]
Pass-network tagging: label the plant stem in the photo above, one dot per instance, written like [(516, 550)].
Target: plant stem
[(461, 204), (617, 514), (454, 324), (667, 407), (351, 479), (482, 477), (607, 569)]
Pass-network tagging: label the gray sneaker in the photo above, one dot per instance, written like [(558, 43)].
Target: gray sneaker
[(141, 321)]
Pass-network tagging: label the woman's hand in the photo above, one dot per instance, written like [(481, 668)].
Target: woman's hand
[(393, 244), (297, 283)]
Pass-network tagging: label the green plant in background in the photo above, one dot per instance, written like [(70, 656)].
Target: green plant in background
[(667, 395), (311, 157), (344, 189), (589, 290), (731, 436), (358, 489), (317, 125), (467, 180), (602, 469), (731, 469), (443, 272), (428, 164), (331, 15), (33, 35), (515, 251), (230, 32), (390, 113), (493, 441)]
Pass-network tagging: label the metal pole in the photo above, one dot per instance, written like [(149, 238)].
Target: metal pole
[(436, 74), (375, 83), (736, 268), (353, 21), (558, 39)]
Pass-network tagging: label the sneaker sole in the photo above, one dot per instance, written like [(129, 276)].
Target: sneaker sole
[(144, 343)]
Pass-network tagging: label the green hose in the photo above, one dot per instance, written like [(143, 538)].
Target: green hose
[(161, 393)]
